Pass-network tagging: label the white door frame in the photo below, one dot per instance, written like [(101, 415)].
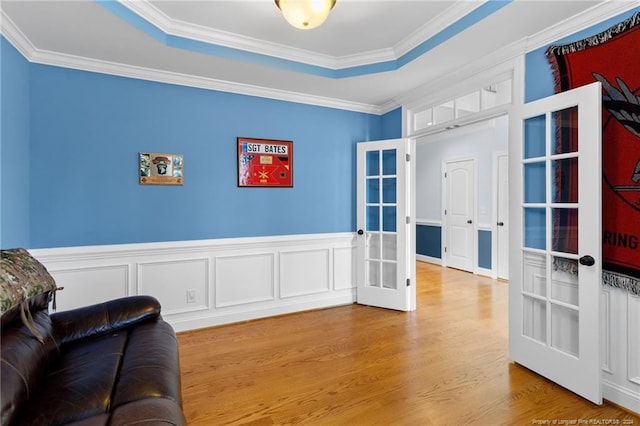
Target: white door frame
[(474, 236), (494, 216)]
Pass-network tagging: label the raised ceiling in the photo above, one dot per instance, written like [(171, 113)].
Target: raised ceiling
[(366, 56)]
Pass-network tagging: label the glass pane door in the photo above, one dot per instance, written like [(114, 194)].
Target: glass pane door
[(381, 255), (386, 260), (550, 212), (554, 292)]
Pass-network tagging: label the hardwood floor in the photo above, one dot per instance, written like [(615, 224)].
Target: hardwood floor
[(444, 364)]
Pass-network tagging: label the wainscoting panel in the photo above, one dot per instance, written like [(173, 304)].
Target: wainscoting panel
[(605, 330), (304, 272), (344, 272), (203, 283), (633, 352), (244, 279), (621, 377), (90, 284), (172, 282)]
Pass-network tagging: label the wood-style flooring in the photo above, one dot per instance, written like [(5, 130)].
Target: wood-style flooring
[(444, 364)]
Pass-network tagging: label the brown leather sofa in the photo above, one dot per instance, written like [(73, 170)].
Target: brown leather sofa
[(114, 363)]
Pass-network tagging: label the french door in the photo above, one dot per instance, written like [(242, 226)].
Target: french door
[(385, 241), (555, 261)]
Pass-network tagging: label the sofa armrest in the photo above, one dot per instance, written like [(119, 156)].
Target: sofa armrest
[(104, 317)]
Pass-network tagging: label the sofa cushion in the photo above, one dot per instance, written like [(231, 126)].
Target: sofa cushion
[(150, 366), (80, 384)]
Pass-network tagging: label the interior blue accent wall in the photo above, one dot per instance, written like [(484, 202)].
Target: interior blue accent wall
[(87, 130), (429, 241), (484, 249), (538, 74), (392, 124), (14, 147)]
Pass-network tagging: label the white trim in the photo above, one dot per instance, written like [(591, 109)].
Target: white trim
[(429, 222), (622, 396), (45, 57), (158, 269), (212, 36), (436, 25), (167, 25), (485, 272), (590, 17), (508, 59), (495, 184), (428, 259)]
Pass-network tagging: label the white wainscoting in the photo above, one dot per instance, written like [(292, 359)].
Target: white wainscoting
[(211, 282), (620, 340)]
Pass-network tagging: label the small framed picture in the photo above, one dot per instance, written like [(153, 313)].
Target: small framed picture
[(265, 162), (156, 168)]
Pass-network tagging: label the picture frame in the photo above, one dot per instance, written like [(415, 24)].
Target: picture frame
[(264, 162), (156, 168)]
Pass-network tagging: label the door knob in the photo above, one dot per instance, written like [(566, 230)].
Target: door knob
[(469, 221), (587, 260), (360, 232), (500, 223)]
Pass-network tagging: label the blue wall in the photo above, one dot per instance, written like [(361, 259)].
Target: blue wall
[(82, 133), (392, 124), (484, 249), (429, 241), (14, 148)]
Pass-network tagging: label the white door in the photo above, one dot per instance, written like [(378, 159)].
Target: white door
[(459, 212), (555, 270), (386, 245), (502, 224)]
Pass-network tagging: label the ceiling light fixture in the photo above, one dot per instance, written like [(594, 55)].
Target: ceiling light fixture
[(305, 14)]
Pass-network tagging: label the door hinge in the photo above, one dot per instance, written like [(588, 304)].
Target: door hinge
[(408, 220), (408, 282), (445, 249), (408, 157), (445, 174), (445, 211)]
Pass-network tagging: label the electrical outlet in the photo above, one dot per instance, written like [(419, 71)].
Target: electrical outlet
[(191, 295)]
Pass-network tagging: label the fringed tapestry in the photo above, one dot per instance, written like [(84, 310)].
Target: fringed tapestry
[(612, 58)]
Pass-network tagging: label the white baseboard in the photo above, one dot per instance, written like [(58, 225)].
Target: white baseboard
[(621, 396), (221, 318), (484, 272), (428, 259)]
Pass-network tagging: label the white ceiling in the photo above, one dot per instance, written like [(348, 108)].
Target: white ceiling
[(248, 47)]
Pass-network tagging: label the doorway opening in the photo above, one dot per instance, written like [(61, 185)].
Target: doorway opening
[(454, 228)]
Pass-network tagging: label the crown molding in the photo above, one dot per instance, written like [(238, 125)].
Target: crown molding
[(34, 55), (167, 25), (435, 26), (190, 31), (586, 19), (579, 22), (16, 37)]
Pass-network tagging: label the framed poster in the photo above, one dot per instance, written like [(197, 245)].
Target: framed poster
[(265, 162), (156, 168)]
